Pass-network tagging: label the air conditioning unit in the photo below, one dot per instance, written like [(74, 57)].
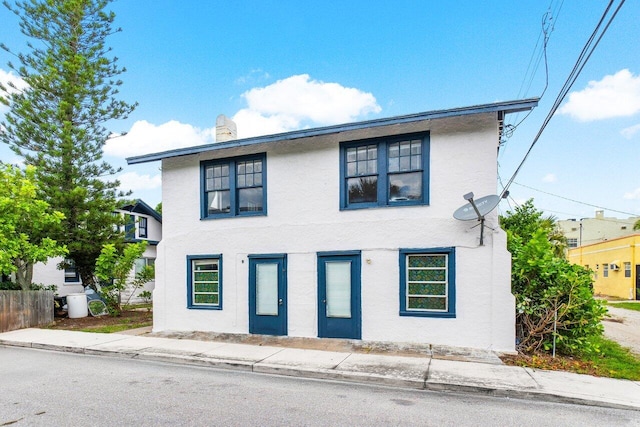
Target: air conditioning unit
[(614, 267)]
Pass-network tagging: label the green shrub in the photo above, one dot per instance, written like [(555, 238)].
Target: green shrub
[(553, 296)]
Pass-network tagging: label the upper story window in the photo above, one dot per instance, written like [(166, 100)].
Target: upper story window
[(142, 227), (627, 269), (572, 242), (233, 187), (385, 172), (130, 227)]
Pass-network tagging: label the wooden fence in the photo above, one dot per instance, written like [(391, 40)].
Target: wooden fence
[(25, 309)]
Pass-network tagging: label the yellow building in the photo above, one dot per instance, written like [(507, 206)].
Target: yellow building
[(615, 263)]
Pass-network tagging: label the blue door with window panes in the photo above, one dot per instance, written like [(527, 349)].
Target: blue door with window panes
[(339, 313), (268, 294)]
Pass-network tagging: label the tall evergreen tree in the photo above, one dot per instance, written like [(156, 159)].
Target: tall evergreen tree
[(58, 122)]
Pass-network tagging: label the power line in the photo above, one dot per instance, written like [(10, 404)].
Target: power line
[(574, 201), (548, 23), (584, 56)]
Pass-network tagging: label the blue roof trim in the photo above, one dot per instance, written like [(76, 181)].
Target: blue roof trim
[(143, 208), (506, 107)]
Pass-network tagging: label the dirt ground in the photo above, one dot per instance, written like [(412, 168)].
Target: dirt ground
[(90, 322), (623, 326)]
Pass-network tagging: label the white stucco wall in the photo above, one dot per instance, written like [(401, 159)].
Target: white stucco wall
[(48, 273), (304, 218)]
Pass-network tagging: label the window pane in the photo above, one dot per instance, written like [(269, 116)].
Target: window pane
[(405, 186), (428, 303), (394, 150), (219, 201), (405, 148), (416, 162), (210, 299), (241, 168), (338, 276), (394, 164), (427, 260), (205, 287), (241, 180), (362, 153), (250, 199), (257, 178), (438, 275), (363, 190), (351, 155), (416, 147), (257, 166), (405, 163), (267, 289), (422, 289)]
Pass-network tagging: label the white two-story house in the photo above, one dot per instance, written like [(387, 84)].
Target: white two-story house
[(141, 223), (344, 231)]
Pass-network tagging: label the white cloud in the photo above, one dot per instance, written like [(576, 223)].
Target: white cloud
[(633, 195), (616, 95), (298, 102), (145, 138), (630, 131), (550, 177), (7, 78), (133, 181)]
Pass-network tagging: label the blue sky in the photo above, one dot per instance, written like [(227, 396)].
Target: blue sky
[(286, 65)]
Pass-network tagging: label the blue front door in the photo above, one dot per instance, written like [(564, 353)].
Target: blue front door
[(339, 295), (268, 294)]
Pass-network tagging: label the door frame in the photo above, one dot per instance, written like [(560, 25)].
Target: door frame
[(338, 327), (268, 325)]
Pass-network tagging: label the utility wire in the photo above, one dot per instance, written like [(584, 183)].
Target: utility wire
[(584, 56), (549, 20), (575, 201)]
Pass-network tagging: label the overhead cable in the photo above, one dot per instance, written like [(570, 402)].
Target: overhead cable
[(584, 56)]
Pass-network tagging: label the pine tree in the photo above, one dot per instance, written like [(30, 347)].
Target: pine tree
[(58, 122)]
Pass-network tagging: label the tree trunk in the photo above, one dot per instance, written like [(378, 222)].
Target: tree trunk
[(24, 274)]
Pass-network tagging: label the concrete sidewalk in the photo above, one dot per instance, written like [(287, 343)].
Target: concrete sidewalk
[(425, 372)]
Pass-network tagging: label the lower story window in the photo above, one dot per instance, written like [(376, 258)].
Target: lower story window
[(204, 281), (427, 282)]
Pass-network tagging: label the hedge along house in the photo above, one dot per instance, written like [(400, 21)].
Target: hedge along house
[(342, 231)]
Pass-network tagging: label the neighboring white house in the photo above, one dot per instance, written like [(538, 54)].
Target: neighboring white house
[(142, 222), (343, 231)]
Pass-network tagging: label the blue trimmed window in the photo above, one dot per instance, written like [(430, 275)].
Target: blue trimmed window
[(71, 274), (427, 282), (385, 172), (142, 227), (234, 187), (204, 282)]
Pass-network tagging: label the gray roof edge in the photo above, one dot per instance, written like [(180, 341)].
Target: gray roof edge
[(506, 107)]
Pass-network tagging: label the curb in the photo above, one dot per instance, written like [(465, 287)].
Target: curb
[(328, 374)]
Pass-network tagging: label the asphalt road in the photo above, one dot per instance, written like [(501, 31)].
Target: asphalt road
[(41, 388)]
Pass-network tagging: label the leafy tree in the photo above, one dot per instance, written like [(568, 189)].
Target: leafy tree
[(636, 225), (22, 220), (553, 296), (114, 268), (159, 208), (57, 123)]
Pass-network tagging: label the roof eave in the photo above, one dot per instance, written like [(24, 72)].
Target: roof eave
[(506, 107)]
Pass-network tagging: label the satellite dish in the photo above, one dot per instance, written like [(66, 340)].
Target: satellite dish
[(484, 205), (477, 209)]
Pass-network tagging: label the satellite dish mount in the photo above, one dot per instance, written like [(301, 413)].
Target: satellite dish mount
[(476, 209)]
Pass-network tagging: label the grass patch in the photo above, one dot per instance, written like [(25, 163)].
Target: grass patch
[(626, 305), (615, 361), (110, 329)]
